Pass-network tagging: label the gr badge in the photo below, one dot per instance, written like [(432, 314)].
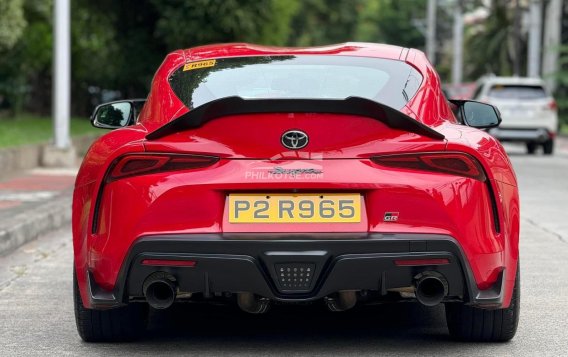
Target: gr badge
[(391, 216)]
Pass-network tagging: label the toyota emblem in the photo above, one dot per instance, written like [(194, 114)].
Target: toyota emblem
[(294, 139)]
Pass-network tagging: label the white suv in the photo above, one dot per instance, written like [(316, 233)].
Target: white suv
[(528, 111)]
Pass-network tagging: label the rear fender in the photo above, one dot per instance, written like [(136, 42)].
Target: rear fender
[(89, 178)]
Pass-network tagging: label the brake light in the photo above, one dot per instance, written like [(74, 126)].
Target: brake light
[(144, 164), (460, 164), (552, 105)]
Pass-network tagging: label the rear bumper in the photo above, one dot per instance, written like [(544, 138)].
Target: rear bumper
[(258, 263), (538, 135)]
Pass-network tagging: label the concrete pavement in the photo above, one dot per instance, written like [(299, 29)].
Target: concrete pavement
[(33, 203)]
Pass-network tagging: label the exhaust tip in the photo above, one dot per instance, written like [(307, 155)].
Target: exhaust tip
[(341, 301), (431, 288), (253, 304), (160, 290)]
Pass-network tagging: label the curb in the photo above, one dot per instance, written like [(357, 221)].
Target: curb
[(29, 225), (46, 216), (27, 157)]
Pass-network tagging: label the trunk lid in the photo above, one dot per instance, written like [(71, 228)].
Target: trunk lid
[(259, 136)]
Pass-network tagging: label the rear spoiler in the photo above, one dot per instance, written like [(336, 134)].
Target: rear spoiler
[(236, 105)]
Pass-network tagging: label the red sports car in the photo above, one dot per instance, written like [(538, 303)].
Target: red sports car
[(262, 174)]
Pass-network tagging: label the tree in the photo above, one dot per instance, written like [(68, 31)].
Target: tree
[(114, 49), (321, 22), (561, 76), (490, 45), (188, 23), (12, 23), (25, 68), (391, 21)]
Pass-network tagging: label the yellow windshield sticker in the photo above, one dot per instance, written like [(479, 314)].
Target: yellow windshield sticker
[(198, 65)]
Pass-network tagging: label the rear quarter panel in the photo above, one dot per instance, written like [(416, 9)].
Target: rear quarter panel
[(89, 178), (503, 181)]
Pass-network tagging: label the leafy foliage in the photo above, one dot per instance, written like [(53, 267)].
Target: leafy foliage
[(320, 22), (391, 21), (25, 69), (211, 21), (562, 78), (489, 46), (12, 23)]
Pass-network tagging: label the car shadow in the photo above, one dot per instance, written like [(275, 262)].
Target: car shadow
[(296, 330), (284, 326)]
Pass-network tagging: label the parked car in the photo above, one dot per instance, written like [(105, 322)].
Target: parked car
[(528, 110), (255, 175)]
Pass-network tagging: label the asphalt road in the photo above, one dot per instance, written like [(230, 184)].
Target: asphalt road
[(36, 314)]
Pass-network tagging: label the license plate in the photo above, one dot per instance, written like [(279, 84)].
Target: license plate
[(295, 208), (521, 113)]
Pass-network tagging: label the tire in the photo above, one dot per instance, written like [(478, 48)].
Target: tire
[(548, 147), (115, 325), (471, 324), (531, 147)]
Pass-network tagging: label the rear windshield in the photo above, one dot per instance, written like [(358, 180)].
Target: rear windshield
[(389, 82), (517, 92)]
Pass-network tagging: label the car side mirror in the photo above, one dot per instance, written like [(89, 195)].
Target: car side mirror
[(476, 114), (116, 114)]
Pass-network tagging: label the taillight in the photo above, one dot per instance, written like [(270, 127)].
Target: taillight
[(552, 105), (450, 163), (144, 164)]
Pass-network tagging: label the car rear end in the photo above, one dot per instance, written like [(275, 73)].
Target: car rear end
[(297, 206), (371, 226), (528, 111)]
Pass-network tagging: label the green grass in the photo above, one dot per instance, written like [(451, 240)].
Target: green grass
[(29, 129), (564, 129)]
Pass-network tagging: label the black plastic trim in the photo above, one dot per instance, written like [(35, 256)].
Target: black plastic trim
[(345, 262), (200, 115), (494, 210)]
